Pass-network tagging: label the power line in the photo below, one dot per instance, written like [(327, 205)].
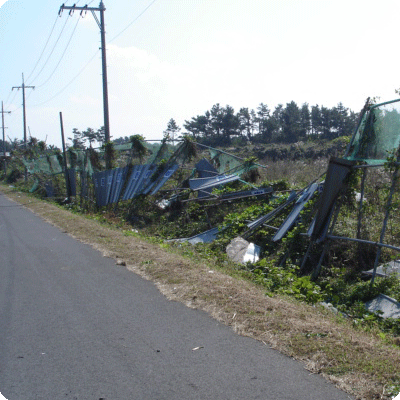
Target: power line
[(9, 95), (12, 101), (44, 48), (69, 83), (62, 56), (55, 44), (133, 21)]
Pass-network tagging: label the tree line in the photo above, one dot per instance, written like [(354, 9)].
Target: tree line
[(284, 124)]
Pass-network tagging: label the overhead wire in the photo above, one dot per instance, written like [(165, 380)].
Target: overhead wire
[(8, 97), (70, 82), (12, 101), (44, 48), (62, 56), (123, 30), (52, 51)]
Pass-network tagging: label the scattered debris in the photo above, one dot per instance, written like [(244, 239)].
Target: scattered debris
[(329, 307), (385, 305), (385, 270), (204, 237), (163, 204), (358, 197), (203, 184), (241, 251)]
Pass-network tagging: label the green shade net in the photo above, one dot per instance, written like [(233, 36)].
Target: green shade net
[(229, 164), (49, 165), (159, 151), (80, 161), (223, 162), (377, 135)]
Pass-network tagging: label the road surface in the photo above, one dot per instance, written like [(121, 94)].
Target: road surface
[(73, 325)]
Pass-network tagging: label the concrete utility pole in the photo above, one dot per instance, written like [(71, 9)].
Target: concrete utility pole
[(101, 25), (23, 87), (4, 138)]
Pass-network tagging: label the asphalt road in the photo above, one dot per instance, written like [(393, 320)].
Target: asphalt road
[(73, 325)]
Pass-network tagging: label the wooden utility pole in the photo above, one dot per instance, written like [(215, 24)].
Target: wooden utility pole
[(4, 138), (101, 25), (23, 87)]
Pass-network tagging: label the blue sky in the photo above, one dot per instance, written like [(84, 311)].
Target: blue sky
[(182, 56)]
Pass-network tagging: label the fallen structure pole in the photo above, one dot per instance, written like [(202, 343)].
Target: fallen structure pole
[(378, 244)]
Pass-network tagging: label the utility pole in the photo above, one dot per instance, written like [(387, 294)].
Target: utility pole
[(4, 138), (67, 182), (101, 25), (23, 87)]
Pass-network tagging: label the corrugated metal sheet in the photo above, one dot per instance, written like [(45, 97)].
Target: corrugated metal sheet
[(336, 175), (108, 185), (166, 175), (292, 217), (265, 218), (385, 270), (147, 183), (246, 193), (72, 180), (132, 181), (138, 180), (100, 187), (49, 189), (118, 180), (204, 237), (205, 170), (206, 183)]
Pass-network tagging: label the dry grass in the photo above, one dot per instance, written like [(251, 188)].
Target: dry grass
[(358, 362)]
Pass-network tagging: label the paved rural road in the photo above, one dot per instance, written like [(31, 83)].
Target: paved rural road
[(73, 325)]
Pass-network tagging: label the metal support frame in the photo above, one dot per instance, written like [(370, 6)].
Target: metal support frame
[(335, 213), (378, 244), (360, 206), (384, 225)]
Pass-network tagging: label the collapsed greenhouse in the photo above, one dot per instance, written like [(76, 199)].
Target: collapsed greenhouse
[(192, 172)]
